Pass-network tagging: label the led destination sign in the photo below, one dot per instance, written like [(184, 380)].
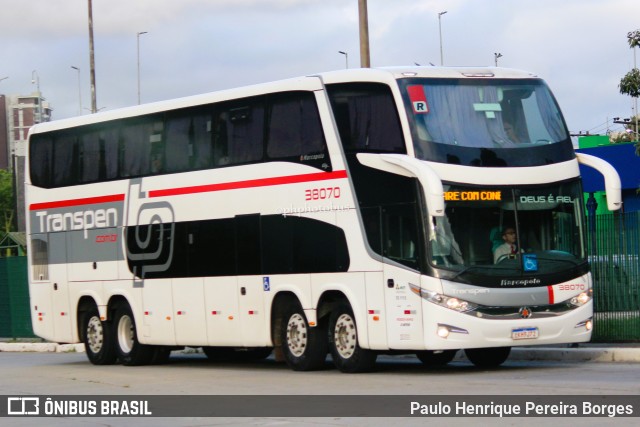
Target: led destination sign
[(472, 195)]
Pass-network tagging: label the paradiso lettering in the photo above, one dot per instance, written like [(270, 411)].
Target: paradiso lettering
[(80, 220)]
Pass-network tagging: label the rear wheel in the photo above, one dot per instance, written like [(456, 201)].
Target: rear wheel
[(98, 340), (130, 351), (433, 358), (488, 357), (304, 348), (347, 354)]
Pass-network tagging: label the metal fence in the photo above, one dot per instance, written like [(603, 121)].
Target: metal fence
[(613, 242), (614, 247), (15, 316)]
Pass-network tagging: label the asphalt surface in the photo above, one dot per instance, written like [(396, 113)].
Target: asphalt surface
[(589, 352)]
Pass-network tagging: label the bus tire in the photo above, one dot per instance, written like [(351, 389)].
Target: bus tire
[(98, 340), (130, 351), (347, 354), (431, 358), (488, 357), (304, 348)]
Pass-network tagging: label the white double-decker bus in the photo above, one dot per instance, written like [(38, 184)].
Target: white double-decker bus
[(349, 213)]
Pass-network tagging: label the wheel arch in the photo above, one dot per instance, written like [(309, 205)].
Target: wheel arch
[(277, 305), (85, 303)]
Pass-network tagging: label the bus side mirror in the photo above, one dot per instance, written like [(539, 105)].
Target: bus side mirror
[(401, 164), (612, 184)]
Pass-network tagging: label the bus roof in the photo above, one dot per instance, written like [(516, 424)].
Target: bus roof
[(310, 82)]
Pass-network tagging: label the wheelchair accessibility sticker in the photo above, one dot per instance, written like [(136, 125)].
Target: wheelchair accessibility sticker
[(530, 262)]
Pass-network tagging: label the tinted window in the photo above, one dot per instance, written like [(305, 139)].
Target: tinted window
[(284, 127), (294, 127), (244, 245), (367, 117), (41, 156)]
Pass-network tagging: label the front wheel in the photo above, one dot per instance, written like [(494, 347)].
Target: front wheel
[(304, 348), (488, 357), (98, 340), (347, 354), (130, 351)]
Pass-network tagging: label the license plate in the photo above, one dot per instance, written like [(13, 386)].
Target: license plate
[(525, 333)]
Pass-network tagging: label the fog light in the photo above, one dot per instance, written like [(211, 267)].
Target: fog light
[(443, 331), (588, 325)]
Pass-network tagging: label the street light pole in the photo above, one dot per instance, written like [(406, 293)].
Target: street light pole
[(440, 31), (365, 57), (346, 58), (138, 50), (92, 62), (497, 55), (79, 91)]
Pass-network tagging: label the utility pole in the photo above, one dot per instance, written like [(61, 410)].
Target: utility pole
[(365, 59), (440, 32), (92, 63)]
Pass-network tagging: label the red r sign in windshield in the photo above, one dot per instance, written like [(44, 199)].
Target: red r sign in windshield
[(418, 99)]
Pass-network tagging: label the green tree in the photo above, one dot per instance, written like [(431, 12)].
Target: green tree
[(7, 204), (630, 83)]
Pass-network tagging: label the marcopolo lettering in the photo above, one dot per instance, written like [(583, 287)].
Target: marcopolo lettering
[(79, 220)]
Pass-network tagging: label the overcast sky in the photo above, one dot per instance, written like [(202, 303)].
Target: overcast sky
[(195, 46)]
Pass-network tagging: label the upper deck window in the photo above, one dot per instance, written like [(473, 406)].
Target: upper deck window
[(485, 122), (367, 118)]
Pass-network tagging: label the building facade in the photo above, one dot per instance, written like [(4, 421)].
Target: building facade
[(18, 113)]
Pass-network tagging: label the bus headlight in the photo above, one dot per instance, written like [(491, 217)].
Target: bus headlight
[(451, 303), (582, 298)]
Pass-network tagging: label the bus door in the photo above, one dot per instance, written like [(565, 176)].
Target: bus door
[(157, 310), (255, 328), (250, 282), (189, 311), (40, 289), (400, 249), (60, 289)]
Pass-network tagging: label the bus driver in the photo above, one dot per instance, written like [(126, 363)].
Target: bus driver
[(509, 246)]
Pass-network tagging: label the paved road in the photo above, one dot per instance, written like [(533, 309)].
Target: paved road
[(191, 374)]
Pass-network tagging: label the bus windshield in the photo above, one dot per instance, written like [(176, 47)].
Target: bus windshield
[(506, 231), (484, 116)]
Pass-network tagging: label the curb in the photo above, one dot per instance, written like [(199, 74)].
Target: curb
[(602, 354), (41, 347)]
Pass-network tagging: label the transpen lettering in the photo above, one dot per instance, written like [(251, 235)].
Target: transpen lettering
[(80, 220)]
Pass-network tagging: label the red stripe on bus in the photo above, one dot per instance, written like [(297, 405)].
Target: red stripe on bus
[(550, 292), (77, 202), (251, 183)]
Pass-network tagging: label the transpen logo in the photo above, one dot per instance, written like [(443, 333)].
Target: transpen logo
[(149, 244)]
